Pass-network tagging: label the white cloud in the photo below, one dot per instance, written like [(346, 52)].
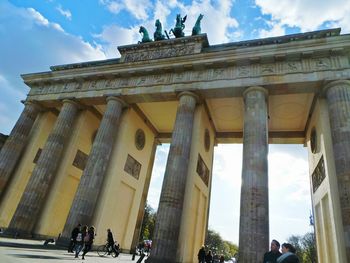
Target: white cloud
[(227, 164), (31, 43), (307, 15), (113, 36), (65, 13), (217, 21), (137, 8), (288, 175), (276, 29)]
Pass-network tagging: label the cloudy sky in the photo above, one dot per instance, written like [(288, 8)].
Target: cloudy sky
[(35, 35)]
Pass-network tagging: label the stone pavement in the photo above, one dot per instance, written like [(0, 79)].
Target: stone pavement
[(23, 251)]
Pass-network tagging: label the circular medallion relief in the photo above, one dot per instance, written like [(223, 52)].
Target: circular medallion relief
[(140, 139), (206, 140), (313, 140)]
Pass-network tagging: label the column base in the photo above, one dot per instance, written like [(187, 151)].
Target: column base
[(17, 233)]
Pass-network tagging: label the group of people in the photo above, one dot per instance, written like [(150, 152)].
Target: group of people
[(144, 247), (82, 239), (275, 256), (204, 257)]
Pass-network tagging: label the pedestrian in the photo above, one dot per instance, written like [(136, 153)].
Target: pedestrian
[(201, 255), (110, 241), (73, 237), (88, 241), (79, 241), (209, 257), (288, 254), (274, 253)]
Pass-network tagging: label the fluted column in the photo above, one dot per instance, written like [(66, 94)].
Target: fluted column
[(254, 214), (34, 196), (338, 100), (16, 142), (167, 229), (90, 185)]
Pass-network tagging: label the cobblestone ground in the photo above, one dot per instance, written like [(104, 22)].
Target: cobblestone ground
[(23, 251)]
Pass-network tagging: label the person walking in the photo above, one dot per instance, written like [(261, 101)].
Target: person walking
[(79, 241), (73, 237), (201, 255), (88, 241), (288, 254), (274, 253)]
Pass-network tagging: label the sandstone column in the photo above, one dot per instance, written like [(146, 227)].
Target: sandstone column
[(167, 229), (91, 181), (16, 142), (338, 99), (254, 214), (35, 193)]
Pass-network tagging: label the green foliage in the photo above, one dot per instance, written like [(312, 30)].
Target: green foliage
[(217, 245), (305, 246), (148, 222)]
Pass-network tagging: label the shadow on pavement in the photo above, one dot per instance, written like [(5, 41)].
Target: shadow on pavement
[(35, 256), (30, 246)]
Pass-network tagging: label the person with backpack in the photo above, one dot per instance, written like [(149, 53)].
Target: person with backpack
[(88, 240)]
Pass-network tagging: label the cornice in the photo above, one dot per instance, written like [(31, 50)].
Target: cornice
[(291, 51)]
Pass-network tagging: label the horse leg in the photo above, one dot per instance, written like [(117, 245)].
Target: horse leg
[(166, 33)]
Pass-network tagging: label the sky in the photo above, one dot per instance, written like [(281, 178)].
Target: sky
[(35, 35)]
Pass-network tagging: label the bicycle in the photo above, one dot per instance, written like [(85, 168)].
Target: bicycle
[(105, 249)]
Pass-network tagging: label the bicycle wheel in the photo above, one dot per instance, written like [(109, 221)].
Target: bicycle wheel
[(102, 250), (115, 252)]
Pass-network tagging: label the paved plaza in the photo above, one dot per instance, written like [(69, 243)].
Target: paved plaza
[(19, 250)]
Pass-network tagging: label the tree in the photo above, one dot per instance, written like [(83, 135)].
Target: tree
[(309, 244), (217, 245), (305, 246), (148, 222)]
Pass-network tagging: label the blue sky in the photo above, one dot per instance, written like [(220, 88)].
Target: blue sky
[(35, 35)]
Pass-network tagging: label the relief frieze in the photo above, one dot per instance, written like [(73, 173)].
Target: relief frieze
[(243, 71), (232, 72), (175, 51), (292, 66), (322, 63)]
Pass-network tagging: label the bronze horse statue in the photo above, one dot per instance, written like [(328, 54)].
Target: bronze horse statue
[(145, 35), (179, 26), (158, 35), (196, 30)]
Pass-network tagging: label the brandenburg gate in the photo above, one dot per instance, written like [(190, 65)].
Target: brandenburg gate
[(83, 148)]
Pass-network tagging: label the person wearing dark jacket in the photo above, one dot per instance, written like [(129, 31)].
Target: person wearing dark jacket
[(274, 253), (73, 237), (201, 255), (288, 254), (209, 257), (110, 241)]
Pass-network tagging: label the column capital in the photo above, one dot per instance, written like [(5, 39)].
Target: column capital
[(189, 93), (255, 88), (334, 83), (33, 103), (73, 102), (124, 104)]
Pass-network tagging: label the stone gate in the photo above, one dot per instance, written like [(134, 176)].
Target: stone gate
[(83, 148)]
